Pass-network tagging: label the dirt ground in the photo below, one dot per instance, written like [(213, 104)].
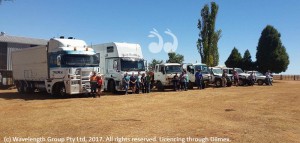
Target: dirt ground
[(235, 114)]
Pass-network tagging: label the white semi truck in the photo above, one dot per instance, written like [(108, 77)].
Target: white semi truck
[(61, 67), (116, 59)]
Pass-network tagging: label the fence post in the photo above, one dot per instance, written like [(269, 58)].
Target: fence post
[(294, 77), (281, 77)]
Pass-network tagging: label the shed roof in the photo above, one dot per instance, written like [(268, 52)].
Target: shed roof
[(22, 40)]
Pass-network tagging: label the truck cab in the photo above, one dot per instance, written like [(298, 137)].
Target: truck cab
[(116, 59), (192, 69), (164, 73), (61, 67)]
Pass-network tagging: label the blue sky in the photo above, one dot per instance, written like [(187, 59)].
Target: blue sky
[(100, 21)]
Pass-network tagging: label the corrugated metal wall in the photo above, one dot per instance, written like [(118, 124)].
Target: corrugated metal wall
[(13, 47), (3, 56)]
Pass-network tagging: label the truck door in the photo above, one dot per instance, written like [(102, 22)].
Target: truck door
[(159, 75), (191, 72)]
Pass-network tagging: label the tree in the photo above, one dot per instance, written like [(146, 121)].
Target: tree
[(175, 58), (234, 59), (207, 43), (247, 63), (154, 62), (271, 54)]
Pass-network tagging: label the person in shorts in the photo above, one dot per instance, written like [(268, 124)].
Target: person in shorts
[(132, 83), (100, 83), (93, 83)]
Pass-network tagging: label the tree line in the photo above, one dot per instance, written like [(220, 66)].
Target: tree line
[(271, 53)]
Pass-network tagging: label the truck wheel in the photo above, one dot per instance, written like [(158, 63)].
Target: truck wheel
[(204, 84), (229, 84), (191, 85), (260, 82), (218, 82), (241, 82), (59, 90), (111, 86), (20, 87), (152, 84), (27, 88), (160, 86)]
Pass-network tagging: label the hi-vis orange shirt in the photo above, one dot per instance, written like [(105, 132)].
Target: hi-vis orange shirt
[(93, 78)]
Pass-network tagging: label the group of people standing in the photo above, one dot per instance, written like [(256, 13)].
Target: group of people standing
[(251, 78), (181, 82), (139, 83)]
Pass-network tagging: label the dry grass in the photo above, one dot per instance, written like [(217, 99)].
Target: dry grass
[(242, 114)]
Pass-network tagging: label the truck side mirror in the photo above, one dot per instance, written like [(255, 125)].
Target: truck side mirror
[(146, 65), (58, 60), (98, 57)]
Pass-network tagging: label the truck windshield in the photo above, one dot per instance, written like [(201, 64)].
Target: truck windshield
[(238, 70), (130, 64), (259, 74), (203, 68), (74, 60), (173, 69), (217, 71)]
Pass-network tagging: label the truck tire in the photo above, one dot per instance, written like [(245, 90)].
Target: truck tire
[(152, 84), (19, 86), (204, 84), (111, 86), (28, 88), (191, 85), (59, 90), (160, 86), (229, 84), (260, 82), (218, 82), (241, 82)]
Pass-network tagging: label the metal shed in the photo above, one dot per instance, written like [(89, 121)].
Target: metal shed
[(7, 45)]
